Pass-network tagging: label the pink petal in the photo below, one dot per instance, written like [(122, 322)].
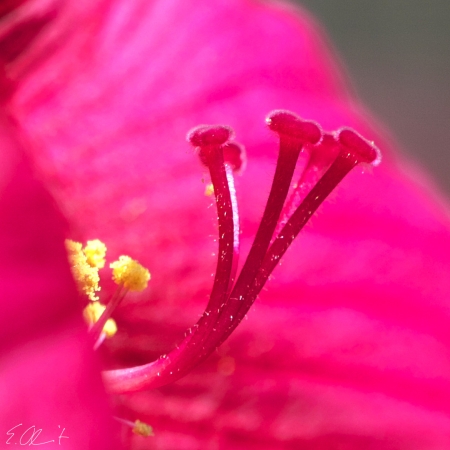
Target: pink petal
[(49, 377), (349, 347)]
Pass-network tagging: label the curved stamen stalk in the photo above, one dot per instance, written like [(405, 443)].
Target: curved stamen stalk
[(226, 201), (213, 150), (224, 310), (209, 141)]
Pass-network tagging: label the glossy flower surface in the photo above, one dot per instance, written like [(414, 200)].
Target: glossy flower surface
[(348, 348)]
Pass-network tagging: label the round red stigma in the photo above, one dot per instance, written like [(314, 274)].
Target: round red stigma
[(209, 135), (364, 150), (289, 124), (208, 139)]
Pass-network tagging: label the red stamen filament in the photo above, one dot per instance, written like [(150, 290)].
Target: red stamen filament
[(209, 140)]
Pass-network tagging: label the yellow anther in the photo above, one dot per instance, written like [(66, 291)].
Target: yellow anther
[(93, 312), (110, 328), (143, 429), (86, 277), (209, 190), (95, 252), (130, 274)]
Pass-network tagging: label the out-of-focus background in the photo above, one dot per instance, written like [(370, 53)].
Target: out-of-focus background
[(398, 54)]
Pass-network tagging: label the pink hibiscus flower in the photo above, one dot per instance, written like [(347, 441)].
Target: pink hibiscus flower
[(348, 348)]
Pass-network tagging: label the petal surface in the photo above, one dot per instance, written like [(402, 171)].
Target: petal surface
[(50, 389), (348, 348)]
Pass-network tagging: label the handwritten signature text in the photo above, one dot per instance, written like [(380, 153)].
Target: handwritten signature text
[(30, 436)]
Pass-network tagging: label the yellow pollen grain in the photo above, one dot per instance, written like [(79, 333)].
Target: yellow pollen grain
[(110, 328), (143, 429), (93, 312), (130, 274), (209, 190), (95, 252), (86, 276)]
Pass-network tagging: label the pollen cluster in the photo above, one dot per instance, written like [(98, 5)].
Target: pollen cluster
[(84, 271), (142, 428), (130, 274), (95, 252), (85, 263)]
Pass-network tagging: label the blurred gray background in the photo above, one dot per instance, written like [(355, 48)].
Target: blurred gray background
[(398, 54)]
